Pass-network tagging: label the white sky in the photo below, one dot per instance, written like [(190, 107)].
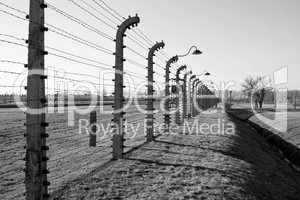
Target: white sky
[(238, 37)]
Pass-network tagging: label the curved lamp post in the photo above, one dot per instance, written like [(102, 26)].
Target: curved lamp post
[(204, 73), (195, 52)]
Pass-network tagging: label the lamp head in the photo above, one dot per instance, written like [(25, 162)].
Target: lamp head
[(197, 52)]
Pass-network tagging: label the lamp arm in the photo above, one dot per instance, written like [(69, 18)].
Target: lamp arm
[(205, 71), (180, 56)]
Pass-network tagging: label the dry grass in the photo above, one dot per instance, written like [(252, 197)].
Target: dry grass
[(70, 154), (239, 166)]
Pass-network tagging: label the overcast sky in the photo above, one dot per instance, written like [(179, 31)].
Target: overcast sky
[(238, 37)]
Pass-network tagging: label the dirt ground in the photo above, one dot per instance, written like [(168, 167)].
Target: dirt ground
[(69, 155), (198, 166)]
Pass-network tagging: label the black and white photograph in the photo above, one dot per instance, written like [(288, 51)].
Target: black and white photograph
[(149, 100)]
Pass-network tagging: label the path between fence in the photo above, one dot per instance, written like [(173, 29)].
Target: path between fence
[(203, 166)]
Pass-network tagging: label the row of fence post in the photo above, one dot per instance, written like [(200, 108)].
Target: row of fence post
[(36, 145), (119, 112), (199, 98)]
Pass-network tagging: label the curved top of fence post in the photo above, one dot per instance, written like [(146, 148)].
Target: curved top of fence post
[(186, 74), (197, 84), (172, 60), (156, 47), (196, 81), (181, 68), (192, 77), (127, 24), (206, 90)]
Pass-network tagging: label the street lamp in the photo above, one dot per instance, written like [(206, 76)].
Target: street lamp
[(167, 77), (204, 73), (195, 52)]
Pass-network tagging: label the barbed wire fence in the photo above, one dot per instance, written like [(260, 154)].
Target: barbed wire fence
[(52, 144), (74, 76)]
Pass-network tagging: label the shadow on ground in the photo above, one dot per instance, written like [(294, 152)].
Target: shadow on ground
[(197, 166)]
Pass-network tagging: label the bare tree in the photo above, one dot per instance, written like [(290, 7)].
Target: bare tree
[(255, 88), (249, 86)]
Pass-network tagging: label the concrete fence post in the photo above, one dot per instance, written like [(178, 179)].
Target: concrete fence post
[(118, 113), (185, 95), (178, 90), (203, 100), (199, 97), (167, 117), (36, 183), (191, 96), (150, 92), (194, 96), (295, 100), (93, 129)]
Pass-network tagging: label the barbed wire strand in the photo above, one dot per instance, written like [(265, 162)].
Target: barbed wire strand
[(90, 13), (80, 22), (10, 7)]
